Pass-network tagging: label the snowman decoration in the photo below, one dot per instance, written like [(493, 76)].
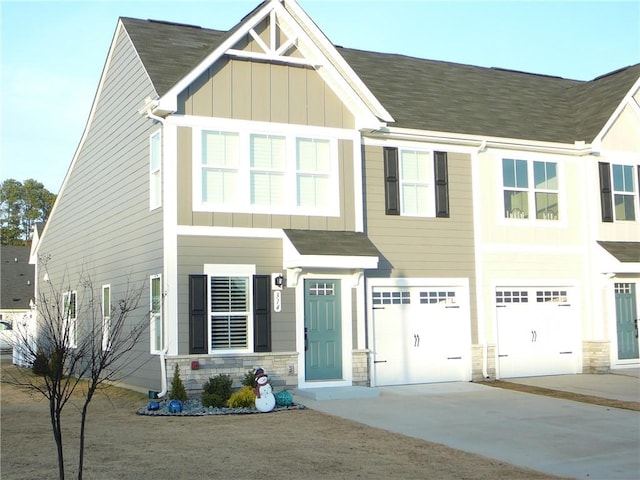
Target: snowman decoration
[(265, 400)]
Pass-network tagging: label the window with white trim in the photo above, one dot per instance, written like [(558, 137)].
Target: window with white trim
[(155, 309), (106, 317), (70, 319), (416, 183), (624, 192), (155, 171), (265, 172), (521, 197)]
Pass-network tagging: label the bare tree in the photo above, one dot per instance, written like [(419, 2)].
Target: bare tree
[(77, 348)]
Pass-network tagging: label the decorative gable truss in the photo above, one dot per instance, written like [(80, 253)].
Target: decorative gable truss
[(280, 32)]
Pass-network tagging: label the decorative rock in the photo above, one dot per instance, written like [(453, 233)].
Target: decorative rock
[(153, 406), (174, 406), (284, 399)]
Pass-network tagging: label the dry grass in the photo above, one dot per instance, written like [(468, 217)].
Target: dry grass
[(576, 397), (297, 444)]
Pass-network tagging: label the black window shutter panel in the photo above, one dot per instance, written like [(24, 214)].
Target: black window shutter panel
[(606, 201), (198, 314), (391, 181), (442, 184), (262, 313)]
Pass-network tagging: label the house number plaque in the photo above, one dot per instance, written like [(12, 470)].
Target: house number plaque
[(277, 301)]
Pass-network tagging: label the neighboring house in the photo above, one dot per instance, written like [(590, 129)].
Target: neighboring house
[(17, 294), (342, 217)]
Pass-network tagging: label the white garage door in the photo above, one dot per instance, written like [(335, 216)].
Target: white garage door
[(421, 335), (538, 332)]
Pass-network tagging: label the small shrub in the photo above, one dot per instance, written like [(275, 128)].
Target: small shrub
[(242, 398), (178, 392), (40, 363), (216, 391), (212, 400), (249, 379)]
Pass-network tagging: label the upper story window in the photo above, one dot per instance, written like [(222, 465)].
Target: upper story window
[(522, 196), (155, 171), (416, 182), (618, 191), (264, 172)]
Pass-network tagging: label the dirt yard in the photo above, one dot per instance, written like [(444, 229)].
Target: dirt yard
[(295, 444)]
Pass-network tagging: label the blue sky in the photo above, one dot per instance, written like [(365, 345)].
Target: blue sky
[(52, 53)]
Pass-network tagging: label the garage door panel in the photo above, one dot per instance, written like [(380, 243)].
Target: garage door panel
[(419, 335), (537, 331)]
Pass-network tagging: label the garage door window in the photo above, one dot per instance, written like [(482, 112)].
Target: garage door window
[(551, 296), (512, 296), (391, 298), (434, 296)]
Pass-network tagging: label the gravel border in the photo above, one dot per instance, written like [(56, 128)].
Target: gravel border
[(194, 408)]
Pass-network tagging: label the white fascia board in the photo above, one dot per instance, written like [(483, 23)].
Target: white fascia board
[(476, 141), (300, 15), (240, 232), (119, 29), (627, 100), (330, 261)]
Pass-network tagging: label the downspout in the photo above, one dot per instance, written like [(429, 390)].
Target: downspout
[(480, 305), (163, 362)]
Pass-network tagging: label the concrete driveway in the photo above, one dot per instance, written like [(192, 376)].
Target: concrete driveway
[(555, 436)]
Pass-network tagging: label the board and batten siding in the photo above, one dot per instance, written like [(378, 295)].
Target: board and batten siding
[(186, 215), (246, 90), (421, 247), (265, 253), (101, 227)]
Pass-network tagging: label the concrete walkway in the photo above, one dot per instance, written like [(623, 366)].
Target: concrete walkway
[(551, 435)]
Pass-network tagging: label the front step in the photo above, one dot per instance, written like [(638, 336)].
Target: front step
[(337, 393)]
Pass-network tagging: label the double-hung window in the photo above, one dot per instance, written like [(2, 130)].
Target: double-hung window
[(619, 191), (155, 301), (521, 196), (70, 319), (266, 172), (106, 317), (416, 182), (624, 194), (155, 171)]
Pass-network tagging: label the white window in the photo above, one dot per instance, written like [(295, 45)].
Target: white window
[(230, 307), (624, 196), (417, 195), (69, 318), (106, 317), (155, 301), (521, 197), (265, 172), (155, 171), (268, 164)]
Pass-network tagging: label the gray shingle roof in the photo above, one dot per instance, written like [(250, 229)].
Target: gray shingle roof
[(16, 278), (425, 94), (318, 242), (623, 251)]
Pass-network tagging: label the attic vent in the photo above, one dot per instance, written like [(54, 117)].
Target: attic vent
[(164, 22)]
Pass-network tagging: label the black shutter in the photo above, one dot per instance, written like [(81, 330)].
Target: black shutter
[(391, 181), (262, 313), (198, 314), (606, 201), (442, 184)]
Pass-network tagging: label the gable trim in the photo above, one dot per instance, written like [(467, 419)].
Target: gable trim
[(628, 100)]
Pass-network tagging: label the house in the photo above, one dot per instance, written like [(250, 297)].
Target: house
[(16, 283), (343, 217)]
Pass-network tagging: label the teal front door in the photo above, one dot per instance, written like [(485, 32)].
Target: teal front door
[(626, 321), (322, 330)]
